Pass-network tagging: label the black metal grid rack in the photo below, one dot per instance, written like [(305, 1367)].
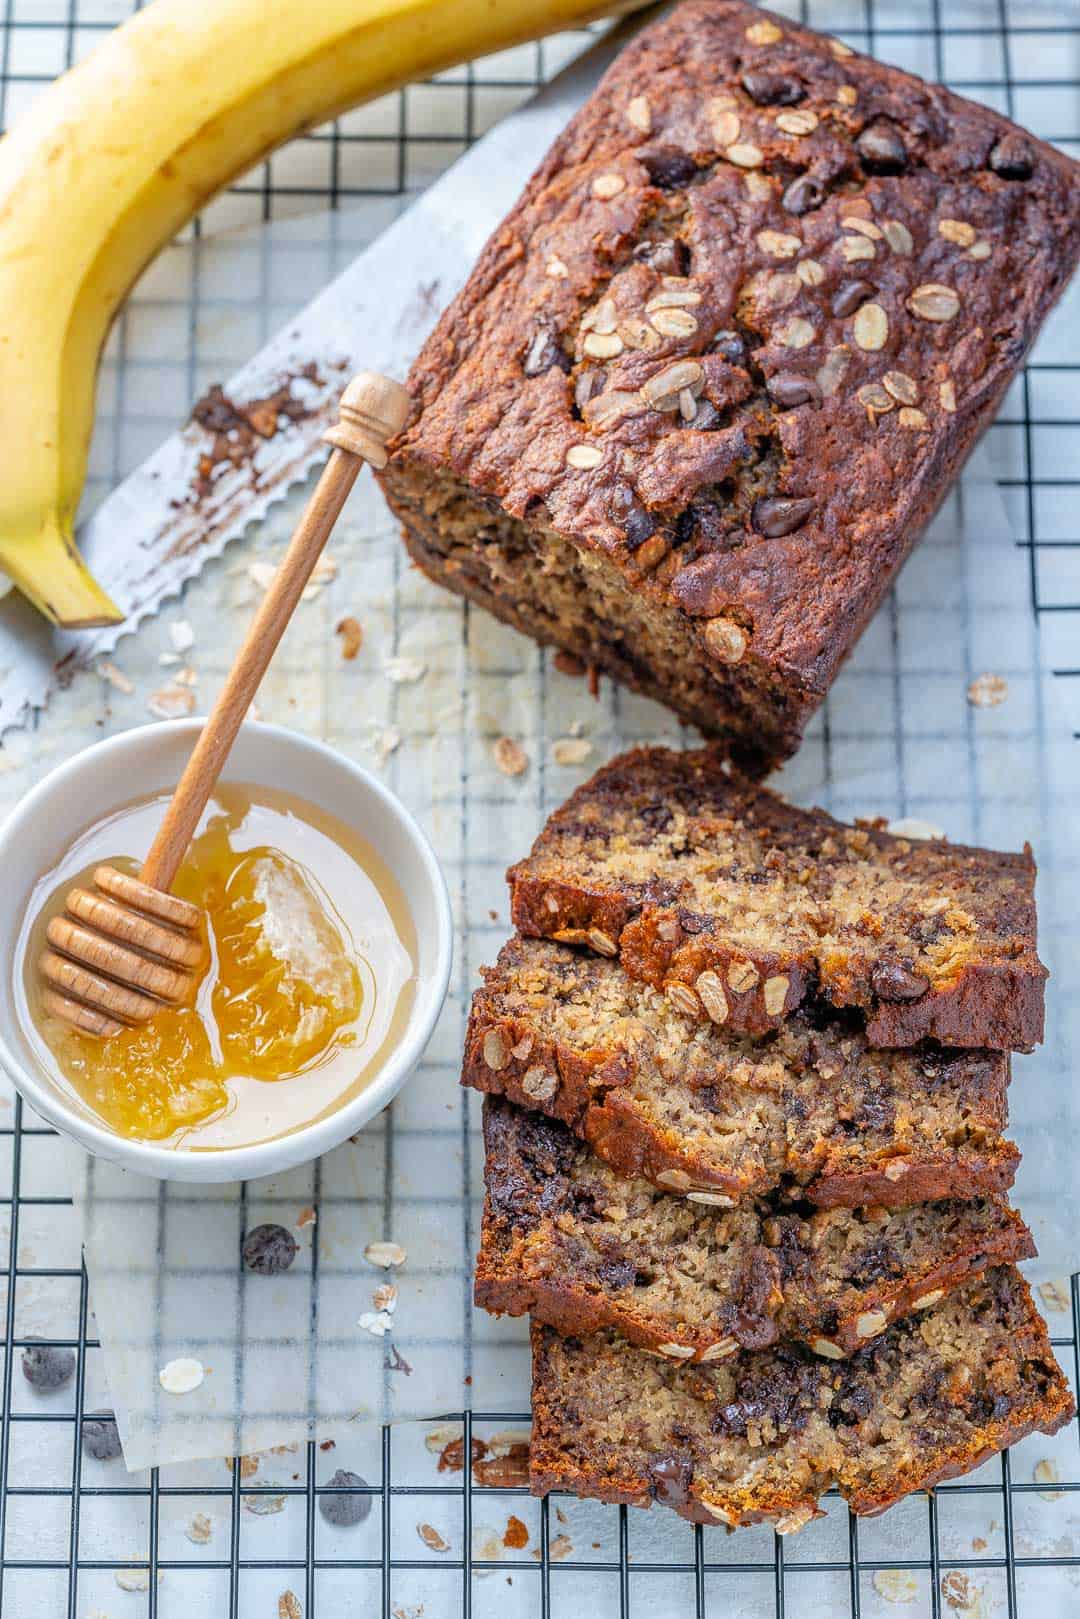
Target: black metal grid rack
[(1025, 59)]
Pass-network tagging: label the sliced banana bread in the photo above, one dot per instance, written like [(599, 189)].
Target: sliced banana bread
[(809, 1109), (583, 1248), (742, 905), (764, 1433)]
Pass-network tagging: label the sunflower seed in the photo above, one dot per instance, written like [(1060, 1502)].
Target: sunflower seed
[(602, 345), (674, 323), (675, 294), (668, 383), (902, 387), (745, 155), (583, 457), (947, 395)]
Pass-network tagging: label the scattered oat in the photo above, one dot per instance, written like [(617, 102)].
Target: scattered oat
[(385, 1254), (508, 1440), (187, 676), (1048, 1472), (558, 1549), (487, 1546), (896, 1585), (264, 1506), (570, 750), (352, 637), (199, 1528), (377, 1322), (288, 1606), (432, 1538), (988, 691), (1054, 1295), (115, 677), (172, 702), (404, 671), (181, 1376), (135, 1579), (960, 1594), (909, 826), (437, 1439), (385, 1297), (261, 574), (306, 1217), (510, 756), (181, 635), (384, 743)]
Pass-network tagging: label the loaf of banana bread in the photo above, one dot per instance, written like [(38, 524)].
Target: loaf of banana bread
[(583, 1248), (810, 1109), (716, 370), (740, 905), (764, 1433)]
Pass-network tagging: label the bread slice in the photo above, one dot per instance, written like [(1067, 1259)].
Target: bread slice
[(582, 1248), (742, 906), (764, 1433), (809, 1110)]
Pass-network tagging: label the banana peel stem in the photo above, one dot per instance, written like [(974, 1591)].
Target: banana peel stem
[(51, 574)]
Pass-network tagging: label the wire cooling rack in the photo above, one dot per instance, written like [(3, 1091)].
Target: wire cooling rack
[(70, 1525)]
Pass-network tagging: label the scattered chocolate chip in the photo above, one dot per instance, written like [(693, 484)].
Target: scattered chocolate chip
[(706, 417), (685, 524), (343, 1511), (892, 981), (788, 389), (670, 1477), (730, 345), (640, 525), (881, 149), (101, 1437), (269, 1250), (1012, 158), (776, 515), (669, 256), (543, 352), (667, 167), (590, 382), (47, 1368), (772, 89), (850, 297), (803, 194)]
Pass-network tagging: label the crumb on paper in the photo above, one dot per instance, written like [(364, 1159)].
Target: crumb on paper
[(437, 1439), (288, 1606), (181, 1376), (394, 1361), (896, 1585), (571, 750), (1054, 1295), (558, 1549), (115, 677), (561, 1515), (910, 826), (507, 1470), (264, 1505), (384, 743), (135, 1579), (978, 1544), (404, 671), (988, 691), (181, 635), (377, 1322), (567, 664), (385, 1254), (199, 1528), (961, 1595), (261, 573), (171, 702), (306, 1217), (516, 1534), (249, 1465), (352, 637), (385, 1297), (487, 1546), (1047, 1471), (452, 1454), (432, 1538), (507, 1440), (187, 676), (510, 757)]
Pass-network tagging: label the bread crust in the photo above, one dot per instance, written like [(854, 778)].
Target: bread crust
[(646, 195), (967, 974)]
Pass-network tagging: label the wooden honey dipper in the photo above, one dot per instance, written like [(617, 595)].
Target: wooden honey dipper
[(121, 951)]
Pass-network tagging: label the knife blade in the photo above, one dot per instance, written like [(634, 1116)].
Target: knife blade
[(189, 499)]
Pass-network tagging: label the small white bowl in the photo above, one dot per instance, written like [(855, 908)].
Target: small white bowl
[(146, 761)]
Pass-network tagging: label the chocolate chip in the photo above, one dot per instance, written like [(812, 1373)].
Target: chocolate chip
[(640, 526), (670, 1476), (1012, 158), (772, 89), (730, 345), (776, 515), (669, 256), (590, 382), (851, 296), (788, 389), (706, 417), (101, 1437), (343, 1511), (543, 352), (667, 167), (46, 1368), (803, 194), (269, 1250), (892, 981), (881, 149)]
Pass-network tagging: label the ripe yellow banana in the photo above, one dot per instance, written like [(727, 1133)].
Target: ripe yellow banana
[(120, 152)]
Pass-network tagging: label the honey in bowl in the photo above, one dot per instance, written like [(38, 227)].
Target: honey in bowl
[(309, 976)]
